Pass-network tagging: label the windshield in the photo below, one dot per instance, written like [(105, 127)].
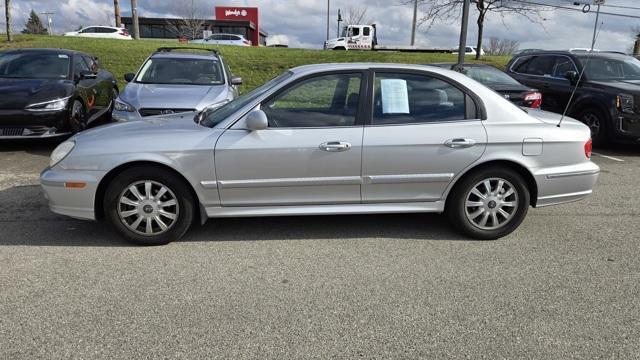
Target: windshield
[(602, 68), (34, 66), (489, 76), (211, 118), (181, 71)]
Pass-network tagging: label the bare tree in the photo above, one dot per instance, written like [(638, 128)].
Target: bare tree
[(502, 46), (450, 10), (192, 18), (7, 13), (355, 15)]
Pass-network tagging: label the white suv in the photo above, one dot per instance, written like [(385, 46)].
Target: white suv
[(109, 32)]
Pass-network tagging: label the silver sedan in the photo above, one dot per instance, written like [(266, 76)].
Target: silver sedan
[(328, 139)]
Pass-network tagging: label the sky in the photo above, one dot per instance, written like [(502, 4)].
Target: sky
[(304, 21)]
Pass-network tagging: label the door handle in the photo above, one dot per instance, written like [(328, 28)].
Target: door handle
[(459, 143), (335, 146)]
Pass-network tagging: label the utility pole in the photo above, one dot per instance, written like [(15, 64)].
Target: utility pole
[(415, 20), (595, 27), (339, 21), (134, 17), (116, 10), (463, 35), (328, 9), (7, 14), (49, 20)]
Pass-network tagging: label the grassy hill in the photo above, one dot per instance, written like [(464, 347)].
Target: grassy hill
[(255, 65)]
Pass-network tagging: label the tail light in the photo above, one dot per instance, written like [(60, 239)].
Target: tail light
[(246, 42), (588, 146), (124, 32), (533, 99)]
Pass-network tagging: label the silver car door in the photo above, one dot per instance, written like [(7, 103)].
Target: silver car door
[(311, 153), (423, 130)]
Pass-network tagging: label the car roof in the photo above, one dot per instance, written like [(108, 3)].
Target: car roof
[(449, 64), (227, 34), (575, 53), (312, 68), (46, 51), (186, 53)]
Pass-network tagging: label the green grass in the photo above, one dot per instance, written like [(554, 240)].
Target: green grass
[(255, 65)]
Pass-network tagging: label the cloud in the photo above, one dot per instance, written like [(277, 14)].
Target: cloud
[(304, 21)]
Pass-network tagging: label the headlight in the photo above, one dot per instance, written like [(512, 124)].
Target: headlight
[(53, 105), (624, 103), (120, 105), (60, 152), (216, 105)]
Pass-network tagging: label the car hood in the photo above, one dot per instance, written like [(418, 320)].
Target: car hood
[(18, 93), (161, 96)]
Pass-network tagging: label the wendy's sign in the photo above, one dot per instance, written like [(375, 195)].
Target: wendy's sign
[(241, 14)]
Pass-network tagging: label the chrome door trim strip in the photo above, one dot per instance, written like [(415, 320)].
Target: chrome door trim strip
[(312, 181), (408, 178), (209, 184), (570, 174)]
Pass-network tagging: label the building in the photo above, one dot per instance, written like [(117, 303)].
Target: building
[(168, 28)]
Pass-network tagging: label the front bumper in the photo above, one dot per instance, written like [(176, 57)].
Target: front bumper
[(628, 127), (78, 203), (22, 124), (565, 184)]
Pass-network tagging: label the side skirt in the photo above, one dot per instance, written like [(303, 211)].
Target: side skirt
[(295, 210)]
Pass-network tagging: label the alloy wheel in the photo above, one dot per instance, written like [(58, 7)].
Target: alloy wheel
[(491, 203), (148, 207)]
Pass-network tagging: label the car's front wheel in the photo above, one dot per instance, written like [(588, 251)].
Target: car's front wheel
[(77, 117), (149, 205), (489, 203)]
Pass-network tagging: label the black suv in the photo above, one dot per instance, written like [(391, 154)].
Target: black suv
[(607, 98)]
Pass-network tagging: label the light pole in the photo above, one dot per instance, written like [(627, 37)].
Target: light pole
[(415, 20), (49, 20), (595, 27), (339, 21), (134, 17), (7, 14), (463, 35), (116, 11), (328, 9)]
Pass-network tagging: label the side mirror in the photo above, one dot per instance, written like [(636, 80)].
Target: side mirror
[(236, 80), (86, 74), (128, 77), (257, 120), (572, 76)]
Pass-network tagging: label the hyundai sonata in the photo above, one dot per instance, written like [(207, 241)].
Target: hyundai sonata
[(328, 139)]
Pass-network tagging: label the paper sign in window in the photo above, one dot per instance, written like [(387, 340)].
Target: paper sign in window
[(395, 96)]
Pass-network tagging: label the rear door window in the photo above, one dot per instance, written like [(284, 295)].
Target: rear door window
[(415, 98), (541, 65)]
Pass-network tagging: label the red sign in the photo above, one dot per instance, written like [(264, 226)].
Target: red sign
[(241, 14)]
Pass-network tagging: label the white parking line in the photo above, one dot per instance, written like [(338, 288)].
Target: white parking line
[(608, 157)]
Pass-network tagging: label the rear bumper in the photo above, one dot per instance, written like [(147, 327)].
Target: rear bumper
[(78, 203), (566, 183), (22, 124)]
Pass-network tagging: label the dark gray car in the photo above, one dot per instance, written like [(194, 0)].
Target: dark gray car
[(172, 81)]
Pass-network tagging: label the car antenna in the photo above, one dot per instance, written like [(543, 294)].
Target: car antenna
[(575, 87)]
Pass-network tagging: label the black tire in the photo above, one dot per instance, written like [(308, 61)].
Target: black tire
[(597, 122), (459, 214), (108, 115), (177, 190), (77, 117)]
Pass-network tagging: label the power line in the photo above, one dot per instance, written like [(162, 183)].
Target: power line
[(573, 9)]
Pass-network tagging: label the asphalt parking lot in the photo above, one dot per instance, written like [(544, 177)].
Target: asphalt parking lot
[(565, 285)]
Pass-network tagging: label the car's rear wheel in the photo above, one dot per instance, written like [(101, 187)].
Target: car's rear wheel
[(77, 117), (149, 205), (597, 123), (489, 203)]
